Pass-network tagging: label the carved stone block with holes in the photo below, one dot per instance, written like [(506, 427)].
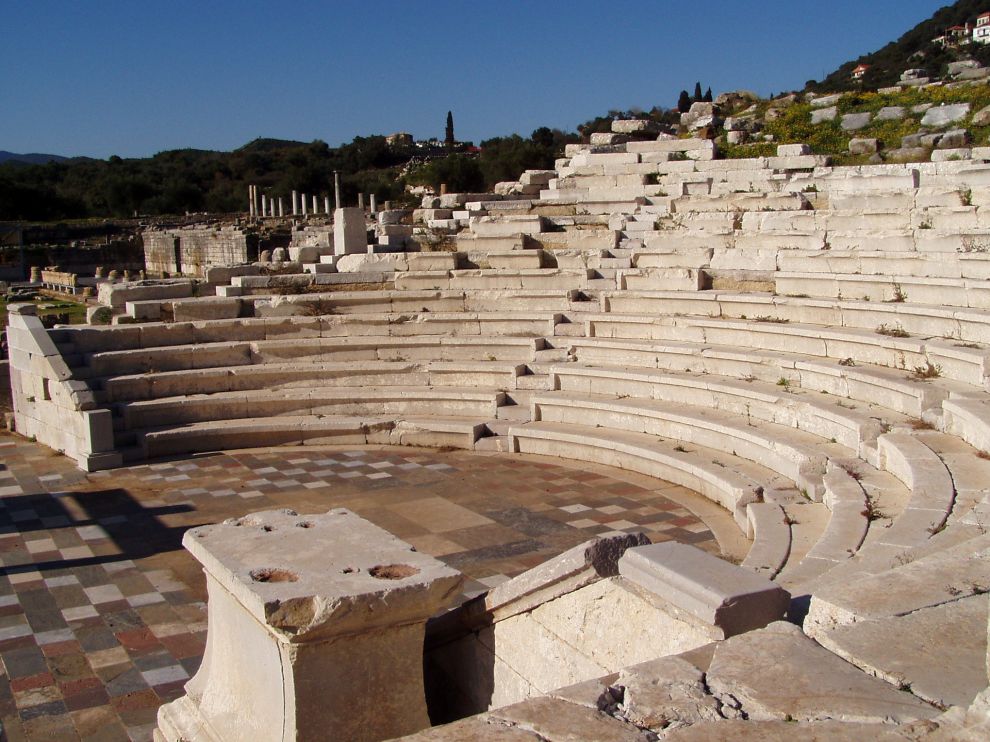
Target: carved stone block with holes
[(316, 629)]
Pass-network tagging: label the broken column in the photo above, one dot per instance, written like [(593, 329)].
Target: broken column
[(302, 200), (316, 628), (373, 205), (349, 232), (336, 190), (295, 203), (264, 205), (316, 209), (251, 200), (281, 207), (361, 201), (326, 205)]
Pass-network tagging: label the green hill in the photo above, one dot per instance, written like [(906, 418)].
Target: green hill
[(913, 50)]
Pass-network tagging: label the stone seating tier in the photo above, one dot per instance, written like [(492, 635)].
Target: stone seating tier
[(835, 425)]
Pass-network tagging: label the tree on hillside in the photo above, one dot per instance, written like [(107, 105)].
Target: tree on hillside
[(684, 102), (697, 97), (708, 96)]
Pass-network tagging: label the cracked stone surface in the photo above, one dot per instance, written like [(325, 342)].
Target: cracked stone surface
[(779, 673), (557, 720), (787, 731), (664, 693), (939, 652)]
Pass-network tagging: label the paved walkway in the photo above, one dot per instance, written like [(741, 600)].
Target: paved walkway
[(102, 614)]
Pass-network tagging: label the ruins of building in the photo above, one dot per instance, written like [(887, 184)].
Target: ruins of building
[(805, 346)]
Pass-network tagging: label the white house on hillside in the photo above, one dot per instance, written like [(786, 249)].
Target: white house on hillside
[(981, 31)]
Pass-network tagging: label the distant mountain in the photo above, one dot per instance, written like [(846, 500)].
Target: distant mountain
[(31, 158), (913, 50), (263, 144)]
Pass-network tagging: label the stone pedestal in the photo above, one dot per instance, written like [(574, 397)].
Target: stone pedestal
[(316, 627), (349, 233)]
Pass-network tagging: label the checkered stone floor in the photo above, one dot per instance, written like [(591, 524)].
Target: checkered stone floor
[(102, 613)]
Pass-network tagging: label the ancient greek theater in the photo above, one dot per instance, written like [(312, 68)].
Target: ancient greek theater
[(651, 445)]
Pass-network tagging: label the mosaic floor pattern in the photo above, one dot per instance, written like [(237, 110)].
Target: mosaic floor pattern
[(102, 613)]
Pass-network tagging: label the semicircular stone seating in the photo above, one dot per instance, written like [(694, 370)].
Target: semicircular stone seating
[(805, 346)]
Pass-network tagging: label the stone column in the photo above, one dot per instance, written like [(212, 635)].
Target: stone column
[(35, 274), (316, 627), (336, 191), (373, 207), (361, 201), (251, 200), (316, 208), (326, 205), (264, 205), (295, 203), (443, 189), (302, 200), (281, 207)]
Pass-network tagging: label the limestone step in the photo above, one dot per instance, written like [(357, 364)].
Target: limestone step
[(213, 435), (514, 413), (970, 474), (959, 292), (922, 357), (569, 329), (723, 478), (310, 349), (497, 428), (901, 534), (551, 355), (770, 531), (800, 457), (841, 538), (533, 382), (927, 600), (865, 384), (962, 326), (341, 401), (493, 444), (822, 415), (804, 682)]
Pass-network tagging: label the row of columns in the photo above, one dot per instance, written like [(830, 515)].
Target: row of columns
[(262, 205)]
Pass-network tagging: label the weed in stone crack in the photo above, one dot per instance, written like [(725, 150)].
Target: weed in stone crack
[(899, 295), (871, 511), (895, 332), (852, 472), (928, 371)]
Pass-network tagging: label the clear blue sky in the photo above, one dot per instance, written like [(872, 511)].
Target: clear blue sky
[(134, 77)]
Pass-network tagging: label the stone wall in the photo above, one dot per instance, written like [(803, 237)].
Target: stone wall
[(48, 404), (191, 251)]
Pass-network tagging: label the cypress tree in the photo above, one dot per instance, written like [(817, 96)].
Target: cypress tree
[(684, 102), (708, 95), (698, 97), (449, 135)]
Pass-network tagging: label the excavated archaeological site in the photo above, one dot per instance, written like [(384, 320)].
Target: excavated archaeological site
[(664, 446)]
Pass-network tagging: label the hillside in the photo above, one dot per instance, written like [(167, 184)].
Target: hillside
[(912, 50), (31, 158)]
